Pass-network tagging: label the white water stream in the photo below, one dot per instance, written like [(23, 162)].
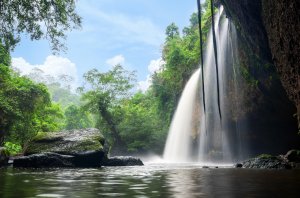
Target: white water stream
[(211, 138)]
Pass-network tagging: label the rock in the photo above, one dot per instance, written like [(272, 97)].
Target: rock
[(295, 165), (266, 162), (238, 165), (89, 159), (4, 156), (123, 161), (87, 146), (293, 156), (205, 167), (44, 160)]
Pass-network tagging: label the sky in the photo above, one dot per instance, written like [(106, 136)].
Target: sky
[(126, 32)]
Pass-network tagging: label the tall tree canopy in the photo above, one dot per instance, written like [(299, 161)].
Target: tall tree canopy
[(48, 19), (104, 94)]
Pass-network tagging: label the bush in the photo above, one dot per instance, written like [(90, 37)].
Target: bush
[(12, 148)]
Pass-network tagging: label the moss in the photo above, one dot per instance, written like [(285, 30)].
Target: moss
[(39, 136), (265, 156), (88, 145), (65, 143), (46, 137)]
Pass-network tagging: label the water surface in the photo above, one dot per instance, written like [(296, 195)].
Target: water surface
[(152, 180)]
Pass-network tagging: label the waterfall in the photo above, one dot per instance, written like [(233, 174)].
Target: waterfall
[(211, 139), (178, 146)]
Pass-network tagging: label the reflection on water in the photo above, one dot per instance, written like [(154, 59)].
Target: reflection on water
[(158, 180)]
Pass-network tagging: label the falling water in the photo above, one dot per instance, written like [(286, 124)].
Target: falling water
[(215, 138), (178, 146)]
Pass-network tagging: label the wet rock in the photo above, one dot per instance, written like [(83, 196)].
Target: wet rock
[(266, 162), (293, 156), (44, 160), (4, 156), (87, 146), (123, 161), (89, 159), (238, 165), (205, 167)]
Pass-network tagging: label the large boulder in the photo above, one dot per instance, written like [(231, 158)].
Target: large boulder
[(87, 146), (44, 160), (4, 156), (123, 161)]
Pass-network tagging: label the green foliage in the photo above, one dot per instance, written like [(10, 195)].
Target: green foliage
[(62, 95), (140, 127), (59, 87), (182, 57), (30, 16), (77, 118), (12, 148), (25, 106), (107, 91), (172, 31), (247, 76), (51, 118)]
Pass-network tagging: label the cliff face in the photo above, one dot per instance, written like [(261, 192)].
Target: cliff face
[(282, 22), (269, 39)]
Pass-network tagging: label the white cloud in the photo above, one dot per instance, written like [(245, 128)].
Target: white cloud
[(22, 65), (120, 26), (54, 66), (144, 85), (154, 66), (118, 59)]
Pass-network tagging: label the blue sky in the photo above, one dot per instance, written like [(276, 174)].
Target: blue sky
[(130, 32)]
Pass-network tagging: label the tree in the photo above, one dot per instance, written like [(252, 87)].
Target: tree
[(172, 31), (51, 118), (141, 128), (107, 90), (48, 19), (25, 106), (77, 118), (21, 102)]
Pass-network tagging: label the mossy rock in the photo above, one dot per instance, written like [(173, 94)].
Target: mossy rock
[(266, 156), (70, 142)]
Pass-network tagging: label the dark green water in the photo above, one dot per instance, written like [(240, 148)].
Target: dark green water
[(149, 181)]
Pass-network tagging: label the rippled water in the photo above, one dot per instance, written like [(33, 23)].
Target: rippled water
[(156, 180)]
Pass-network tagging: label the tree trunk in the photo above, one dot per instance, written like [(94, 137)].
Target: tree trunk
[(106, 115)]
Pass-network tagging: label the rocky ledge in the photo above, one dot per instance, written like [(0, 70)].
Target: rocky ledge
[(73, 148), (44, 160), (291, 160), (123, 161)]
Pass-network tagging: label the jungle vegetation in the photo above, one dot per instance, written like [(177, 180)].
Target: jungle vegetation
[(133, 121)]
